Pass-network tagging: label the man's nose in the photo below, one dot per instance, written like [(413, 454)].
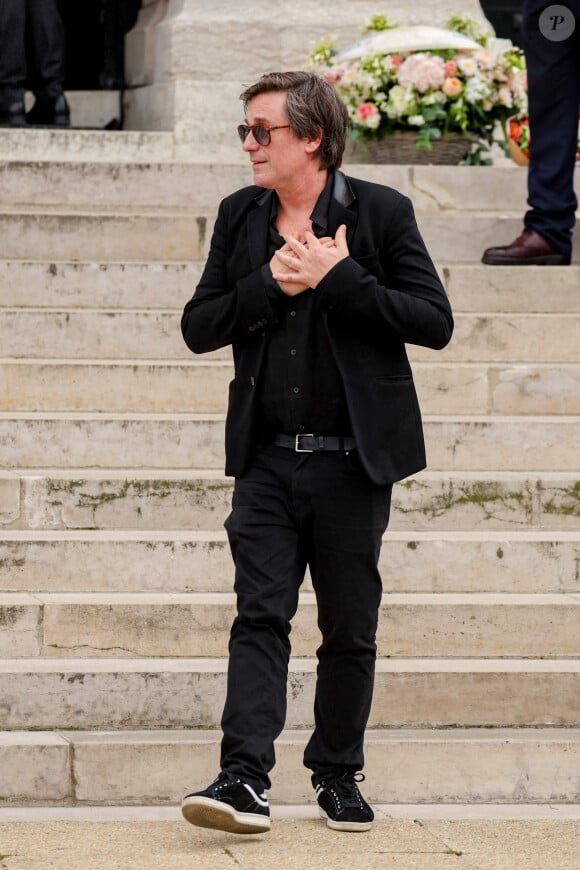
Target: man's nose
[(249, 143)]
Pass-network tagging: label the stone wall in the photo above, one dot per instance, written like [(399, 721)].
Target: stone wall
[(188, 60)]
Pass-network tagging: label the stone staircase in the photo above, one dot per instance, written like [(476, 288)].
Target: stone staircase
[(115, 577)]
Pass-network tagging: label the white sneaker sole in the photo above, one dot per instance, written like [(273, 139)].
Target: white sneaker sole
[(207, 813), (345, 826)]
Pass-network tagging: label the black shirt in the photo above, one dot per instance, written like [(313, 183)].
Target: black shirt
[(301, 387)]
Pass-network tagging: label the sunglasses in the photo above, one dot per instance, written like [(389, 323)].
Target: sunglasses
[(260, 132)]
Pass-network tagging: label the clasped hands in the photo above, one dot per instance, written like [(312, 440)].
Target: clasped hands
[(297, 266)]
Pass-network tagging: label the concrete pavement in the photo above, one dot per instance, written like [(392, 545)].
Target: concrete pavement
[(429, 837)]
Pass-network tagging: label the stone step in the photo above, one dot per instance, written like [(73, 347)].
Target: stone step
[(72, 147), (138, 334), (65, 285), (102, 235), (141, 182), (91, 108), (402, 766), (150, 386), (128, 694), (181, 234), (441, 625), (185, 441), (88, 109), (140, 169), (411, 561), (463, 237), (199, 500), (505, 289), (69, 285), (196, 187)]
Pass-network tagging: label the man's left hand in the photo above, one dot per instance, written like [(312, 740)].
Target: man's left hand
[(310, 262)]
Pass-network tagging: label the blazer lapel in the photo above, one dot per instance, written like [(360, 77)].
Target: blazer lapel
[(257, 225), (342, 208)]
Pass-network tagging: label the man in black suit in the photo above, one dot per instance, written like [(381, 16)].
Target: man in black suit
[(317, 281)]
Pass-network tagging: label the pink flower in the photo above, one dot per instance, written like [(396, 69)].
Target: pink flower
[(332, 78), (365, 109), (423, 71), (450, 68), (396, 60), (451, 87)]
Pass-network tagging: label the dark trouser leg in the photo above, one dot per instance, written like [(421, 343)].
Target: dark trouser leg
[(553, 70), (45, 37), (12, 51), (269, 570), (350, 515)]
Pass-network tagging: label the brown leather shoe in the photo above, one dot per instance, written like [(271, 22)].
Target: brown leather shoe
[(529, 249)]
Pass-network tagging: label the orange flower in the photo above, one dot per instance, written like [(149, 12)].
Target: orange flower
[(515, 131), (451, 87)]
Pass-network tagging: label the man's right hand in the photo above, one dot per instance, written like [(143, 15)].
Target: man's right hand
[(276, 265)]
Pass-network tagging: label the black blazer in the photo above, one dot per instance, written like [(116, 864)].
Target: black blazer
[(386, 293)]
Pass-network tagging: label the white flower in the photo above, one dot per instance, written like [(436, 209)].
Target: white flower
[(505, 97), (372, 122), (398, 101), (484, 58), (416, 120), (467, 65), (517, 83), (476, 89), (434, 97), (496, 48)]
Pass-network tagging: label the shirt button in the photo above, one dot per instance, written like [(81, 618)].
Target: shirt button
[(293, 352), (292, 313), (296, 390)]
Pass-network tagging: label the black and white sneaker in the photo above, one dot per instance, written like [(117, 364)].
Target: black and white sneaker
[(228, 804), (342, 804)]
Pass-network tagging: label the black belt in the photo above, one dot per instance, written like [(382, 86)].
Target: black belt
[(313, 443)]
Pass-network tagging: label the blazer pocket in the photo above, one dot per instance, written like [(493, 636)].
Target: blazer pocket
[(387, 380), (397, 391)]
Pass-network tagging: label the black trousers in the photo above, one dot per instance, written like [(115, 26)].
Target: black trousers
[(31, 49), (291, 510), (553, 70)]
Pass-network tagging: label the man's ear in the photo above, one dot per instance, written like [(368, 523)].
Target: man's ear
[(313, 145)]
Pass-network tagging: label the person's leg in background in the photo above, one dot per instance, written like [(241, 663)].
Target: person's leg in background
[(553, 69), (45, 42), (12, 62), (551, 38)]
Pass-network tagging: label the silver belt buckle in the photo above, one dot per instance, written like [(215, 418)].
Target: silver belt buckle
[(303, 449)]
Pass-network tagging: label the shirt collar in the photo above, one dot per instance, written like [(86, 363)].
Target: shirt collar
[(319, 216)]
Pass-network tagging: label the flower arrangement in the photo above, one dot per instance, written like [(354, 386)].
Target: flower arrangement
[(432, 91)]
